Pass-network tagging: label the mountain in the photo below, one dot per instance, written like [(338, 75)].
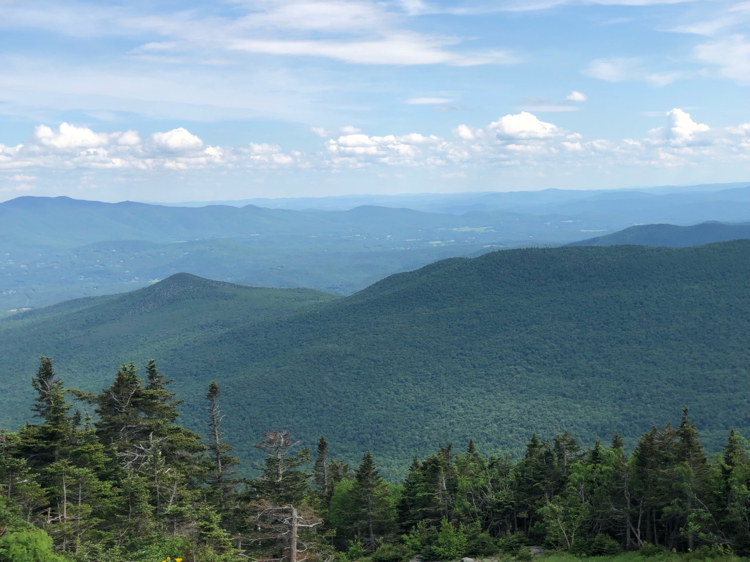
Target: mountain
[(587, 339), (55, 249), (92, 335), (671, 235), (458, 203)]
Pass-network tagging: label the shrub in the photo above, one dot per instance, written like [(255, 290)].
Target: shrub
[(391, 553), (524, 554), (510, 544), (27, 546), (356, 551), (649, 550), (603, 545), (451, 541)]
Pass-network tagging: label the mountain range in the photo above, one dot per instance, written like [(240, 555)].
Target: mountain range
[(587, 339), (56, 249)]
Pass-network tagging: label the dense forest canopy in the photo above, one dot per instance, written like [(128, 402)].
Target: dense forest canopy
[(132, 484), (588, 340)]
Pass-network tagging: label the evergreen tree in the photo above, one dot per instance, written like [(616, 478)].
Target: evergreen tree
[(282, 480), (374, 516), (44, 382), (617, 442), (415, 498)]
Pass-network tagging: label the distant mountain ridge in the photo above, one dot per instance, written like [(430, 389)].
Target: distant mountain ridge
[(671, 235), (587, 339), (55, 249)]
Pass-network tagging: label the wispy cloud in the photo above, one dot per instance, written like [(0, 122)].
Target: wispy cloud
[(630, 70), (428, 101)]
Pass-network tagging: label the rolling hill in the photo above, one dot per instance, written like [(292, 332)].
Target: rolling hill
[(671, 235), (55, 249), (588, 339)]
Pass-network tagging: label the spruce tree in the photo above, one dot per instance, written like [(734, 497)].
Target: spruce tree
[(374, 516), (617, 442), (44, 382)]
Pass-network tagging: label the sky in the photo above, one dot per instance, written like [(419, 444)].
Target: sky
[(197, 101)]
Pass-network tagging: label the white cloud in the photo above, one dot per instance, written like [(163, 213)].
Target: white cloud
[(516, 140), (402, 48), (427, 101), (524, 125), (464, 132), (548, 108), (128, 138), (629, 70), (327, 133), (730, 54), (176, 140), (69, 137), (576, 96), (681, 130)]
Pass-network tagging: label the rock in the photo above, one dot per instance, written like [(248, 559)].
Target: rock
[(536, 551)]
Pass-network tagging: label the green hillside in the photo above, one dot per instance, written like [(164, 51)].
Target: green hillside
[(671, 235), (87, 337), (591, 340)]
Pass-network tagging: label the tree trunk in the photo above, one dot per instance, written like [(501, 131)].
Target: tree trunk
[(293, 546)]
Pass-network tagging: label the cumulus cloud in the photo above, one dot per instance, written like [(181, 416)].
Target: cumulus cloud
[(464, 132), (681, 130), (524, 125), (69, 137), (520, 139), (576, 96), (176, 140)]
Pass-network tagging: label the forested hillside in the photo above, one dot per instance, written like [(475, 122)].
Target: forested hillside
[(590, 340), (134, 485), (671, 235)]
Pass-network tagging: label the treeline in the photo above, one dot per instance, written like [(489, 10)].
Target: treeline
[(131, 484)]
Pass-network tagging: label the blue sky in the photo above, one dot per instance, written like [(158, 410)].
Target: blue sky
[(176, 101)]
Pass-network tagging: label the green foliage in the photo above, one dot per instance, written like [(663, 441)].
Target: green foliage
[(451, 541), (650, 550), (520, 338), (138, 484), (27, 546), (391, 553), (603, 545)]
